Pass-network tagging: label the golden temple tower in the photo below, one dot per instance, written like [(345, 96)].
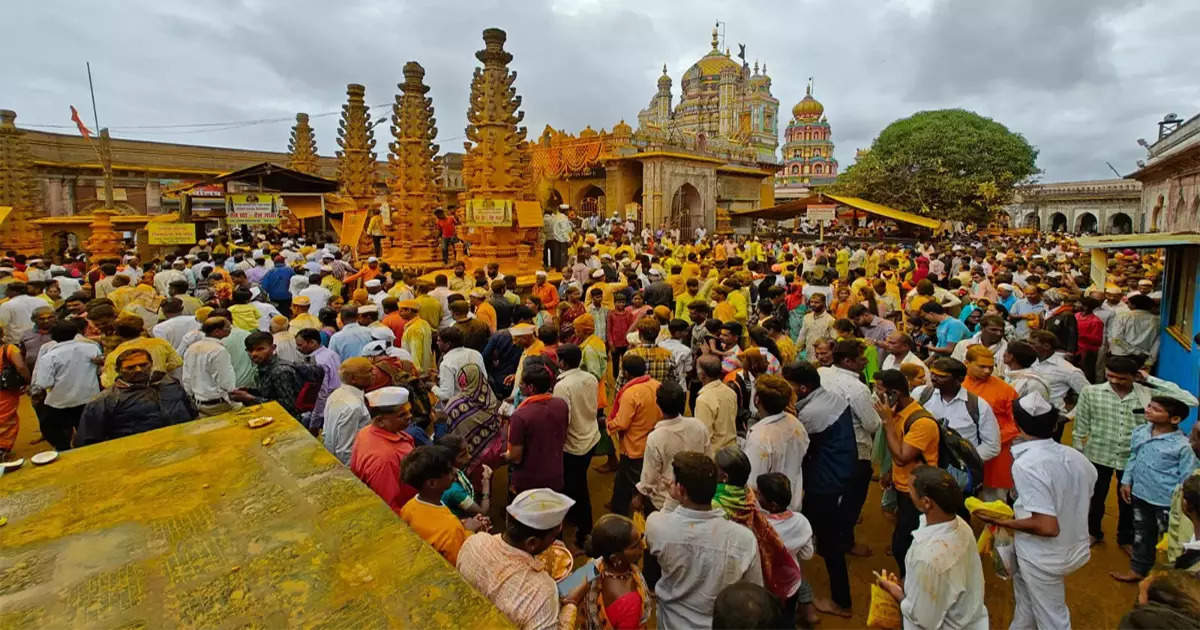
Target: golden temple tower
[(18, 189), (412, 238), (497, 161), (356, 168), (302, 147), (356, 161)]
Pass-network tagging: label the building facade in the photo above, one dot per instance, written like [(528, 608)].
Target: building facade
[(1105, 206), (687, 165), (808, 159), (1170, 178)]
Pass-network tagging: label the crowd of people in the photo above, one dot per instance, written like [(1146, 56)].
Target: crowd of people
[(739, 395)]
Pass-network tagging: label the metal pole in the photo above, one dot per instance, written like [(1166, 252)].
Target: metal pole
[(95, 116)]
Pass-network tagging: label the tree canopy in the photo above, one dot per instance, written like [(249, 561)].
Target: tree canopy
[(948, 163)]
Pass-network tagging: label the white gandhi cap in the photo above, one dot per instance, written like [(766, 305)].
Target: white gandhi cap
[(387, 397), (540, 508)]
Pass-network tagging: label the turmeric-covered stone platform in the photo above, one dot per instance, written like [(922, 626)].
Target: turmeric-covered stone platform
[(210, 524)]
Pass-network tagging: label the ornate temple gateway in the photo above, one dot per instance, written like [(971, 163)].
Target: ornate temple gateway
[(687, 165)]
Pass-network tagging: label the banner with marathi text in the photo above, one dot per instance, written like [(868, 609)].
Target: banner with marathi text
[(253, 209), (165, 233), (489, 213)]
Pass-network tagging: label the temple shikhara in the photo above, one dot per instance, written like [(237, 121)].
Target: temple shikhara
[(807, 150), (688, 164)]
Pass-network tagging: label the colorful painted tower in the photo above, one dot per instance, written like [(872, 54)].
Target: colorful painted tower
[(807, 150)]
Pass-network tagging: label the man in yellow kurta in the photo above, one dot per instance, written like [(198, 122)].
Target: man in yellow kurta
[(418, 337), (524, 335), (301, 318), (129, 328)]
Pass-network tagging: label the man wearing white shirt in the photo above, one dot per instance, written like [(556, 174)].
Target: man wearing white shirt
[(1054, 484), (674, 433), (175, 326), (345, 410), (65, 377), (699, 550), (946, 399), (943, 584), (164, 278), (68, 285), (991, 334), (16, 315), (1019, 361), (900, 352), (580, 389), (208, 375), (844, 379), (318, 296), (1061, 375), (455, 356)]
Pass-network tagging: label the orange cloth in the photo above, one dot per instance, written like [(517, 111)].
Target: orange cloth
[(546, 293), (364, 274), (635, 412), (436, 525), (997, 472), (395, 323), (486, 313), (9, 402), (923, 435)]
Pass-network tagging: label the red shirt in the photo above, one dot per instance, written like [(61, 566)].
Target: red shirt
[(619, 323), (375, 459), (1091, 332), (447, 226)]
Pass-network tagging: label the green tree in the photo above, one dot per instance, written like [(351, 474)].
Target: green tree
[(948, 163)]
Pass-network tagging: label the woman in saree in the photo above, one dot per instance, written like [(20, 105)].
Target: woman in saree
[(617, 597), (474, 416)]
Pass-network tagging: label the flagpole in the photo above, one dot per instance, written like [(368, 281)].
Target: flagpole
[(91, 89)]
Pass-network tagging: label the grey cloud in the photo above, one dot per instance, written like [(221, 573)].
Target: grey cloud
[(1081, 80)]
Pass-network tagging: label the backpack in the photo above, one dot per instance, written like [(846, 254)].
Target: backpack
[(310, 376), (956, 454)]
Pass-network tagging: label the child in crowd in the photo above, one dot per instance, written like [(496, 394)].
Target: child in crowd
[(774, 496), (619, 322), (460, 496), (1160, 458), (430, 469), (599, 313)]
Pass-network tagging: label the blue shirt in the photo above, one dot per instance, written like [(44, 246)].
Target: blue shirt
[(277, 282), (1157, 464), (951, 331), (349, 341)]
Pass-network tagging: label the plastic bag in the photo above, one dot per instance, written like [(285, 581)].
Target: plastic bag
[(884, 611)]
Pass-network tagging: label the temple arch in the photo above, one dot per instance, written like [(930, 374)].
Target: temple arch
[(1058, 222), (1085, 222), (1121, 223), (687, 209)]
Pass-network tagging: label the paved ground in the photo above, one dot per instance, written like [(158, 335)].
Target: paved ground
[(1096, 600)]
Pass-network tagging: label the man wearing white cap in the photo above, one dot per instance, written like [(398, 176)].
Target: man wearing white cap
[(1054, 484), (349, 341), (381, 446), (375, 291), (505, 568)]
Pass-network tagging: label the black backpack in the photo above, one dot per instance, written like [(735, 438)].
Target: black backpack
[(955, 452)]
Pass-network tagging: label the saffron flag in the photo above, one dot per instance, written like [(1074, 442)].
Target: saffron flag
[(83, 130)]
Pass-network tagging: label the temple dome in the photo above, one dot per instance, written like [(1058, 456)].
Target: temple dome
[(808, 108)]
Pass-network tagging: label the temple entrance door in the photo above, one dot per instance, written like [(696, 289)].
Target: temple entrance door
[(687, 211), (1085, 223), (591, 201), (1058, 222), (1121, 223)]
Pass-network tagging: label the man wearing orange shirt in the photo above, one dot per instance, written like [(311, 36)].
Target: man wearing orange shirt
[(1000, 396), (634, 414), (544, 291), (366, 273), (484, 312), (392, 318), (380, 447)]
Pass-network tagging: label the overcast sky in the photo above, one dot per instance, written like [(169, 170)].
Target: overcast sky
[(1080, 79)]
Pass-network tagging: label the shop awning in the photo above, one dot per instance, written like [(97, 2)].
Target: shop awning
[(1139, 241), (796, 208), (303, 207), (884, 211)]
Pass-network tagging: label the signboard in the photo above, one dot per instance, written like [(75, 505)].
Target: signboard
[(631, 210), (489, 212), (821, 212), (119, 194), (253, 209), (529, 214), (162, 233)]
